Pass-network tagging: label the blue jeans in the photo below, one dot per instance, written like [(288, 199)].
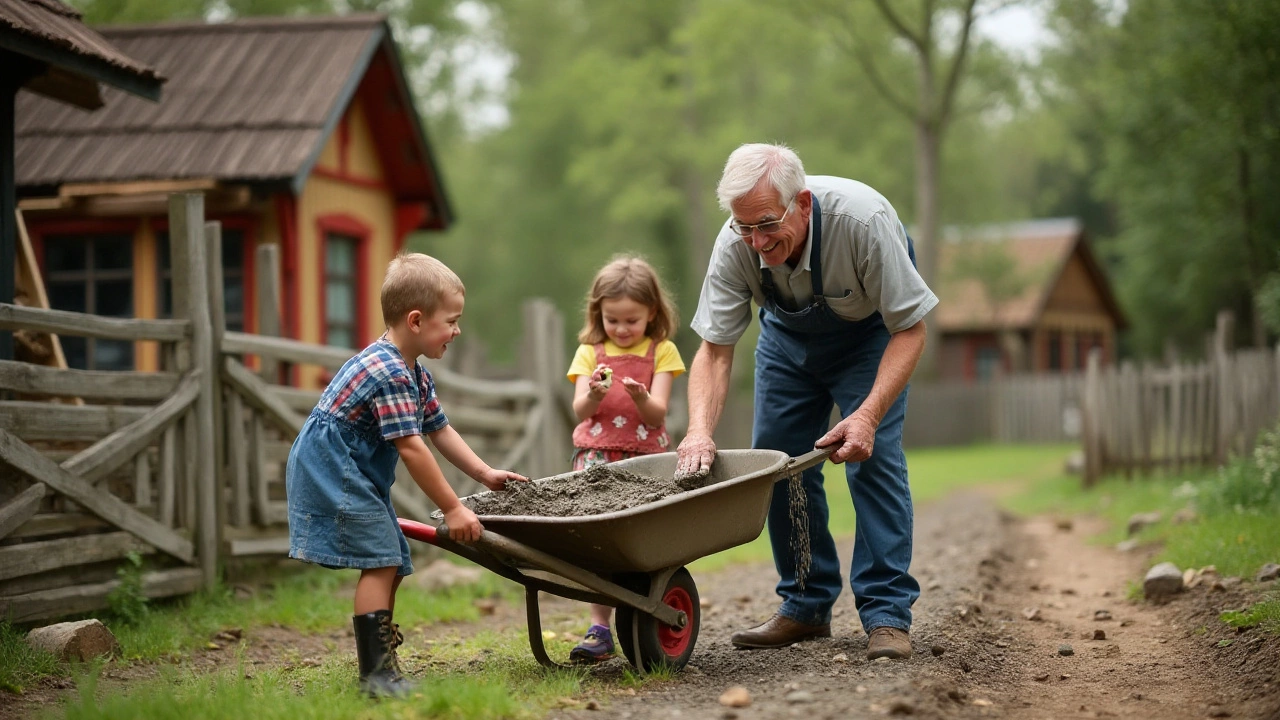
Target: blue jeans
[(798, 379)]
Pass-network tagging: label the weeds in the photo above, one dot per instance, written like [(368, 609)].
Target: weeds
[(126, 602), (21, 664), (1264, 615)]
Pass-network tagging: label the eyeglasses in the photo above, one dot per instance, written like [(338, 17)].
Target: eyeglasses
[(766, 228)]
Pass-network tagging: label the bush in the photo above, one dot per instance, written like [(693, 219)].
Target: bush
[(1247, 484)]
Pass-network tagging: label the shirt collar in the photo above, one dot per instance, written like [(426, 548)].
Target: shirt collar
[(804, 254)]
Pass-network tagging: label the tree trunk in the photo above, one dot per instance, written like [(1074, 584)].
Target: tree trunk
[(928, 142)]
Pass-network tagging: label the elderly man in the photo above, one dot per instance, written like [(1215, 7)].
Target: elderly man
[(841, 321)]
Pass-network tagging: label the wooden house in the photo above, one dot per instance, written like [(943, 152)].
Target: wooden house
[(301, 132), (1022, 297)]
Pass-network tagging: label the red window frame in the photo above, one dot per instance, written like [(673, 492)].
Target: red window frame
[(349, 226)]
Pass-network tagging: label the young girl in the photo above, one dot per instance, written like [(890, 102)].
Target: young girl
[(622, 374)]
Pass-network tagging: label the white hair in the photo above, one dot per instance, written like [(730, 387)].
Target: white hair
[(750, 163)]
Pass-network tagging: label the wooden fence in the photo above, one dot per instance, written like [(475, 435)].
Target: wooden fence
[(185, 465), (1012, 409)]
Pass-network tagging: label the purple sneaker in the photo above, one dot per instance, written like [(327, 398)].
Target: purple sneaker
[(596, 647)]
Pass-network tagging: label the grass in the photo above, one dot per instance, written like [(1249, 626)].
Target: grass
[(934, 472), (20, 664), (1265, 615)]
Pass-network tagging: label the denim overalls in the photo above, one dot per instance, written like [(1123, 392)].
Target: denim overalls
[(805, 362)]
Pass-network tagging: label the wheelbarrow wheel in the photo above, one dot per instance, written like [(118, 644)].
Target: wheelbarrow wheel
[(661, 644)]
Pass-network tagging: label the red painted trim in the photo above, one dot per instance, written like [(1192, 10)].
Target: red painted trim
[(350, 179), (345, 224), (287, 220), (37, 230), (409, 217)]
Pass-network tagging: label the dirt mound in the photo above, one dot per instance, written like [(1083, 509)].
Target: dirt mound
[(594, 491)]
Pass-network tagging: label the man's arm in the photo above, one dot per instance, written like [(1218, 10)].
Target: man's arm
[(708, 388), (857, 433)]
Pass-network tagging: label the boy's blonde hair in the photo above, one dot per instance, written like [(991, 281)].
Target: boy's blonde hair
[(416, 282), (631, 277)]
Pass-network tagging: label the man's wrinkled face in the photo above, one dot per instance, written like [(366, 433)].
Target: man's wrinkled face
[(785, 225)]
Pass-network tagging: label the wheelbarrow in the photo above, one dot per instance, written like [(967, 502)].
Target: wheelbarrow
[(633, 559)]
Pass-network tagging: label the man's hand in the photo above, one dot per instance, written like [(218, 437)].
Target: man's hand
[(463, 524), (497, 479), (856, 436), (635, 389), (695, 454)]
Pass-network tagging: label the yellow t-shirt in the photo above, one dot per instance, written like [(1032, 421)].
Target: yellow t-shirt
[(666, 358)]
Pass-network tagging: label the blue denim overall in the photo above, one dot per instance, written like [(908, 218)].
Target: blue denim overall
[(806, 361)]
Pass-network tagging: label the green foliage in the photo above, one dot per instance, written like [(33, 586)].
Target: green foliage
[(1265, 614), (1247, 485), (21, 664), (126, 602)]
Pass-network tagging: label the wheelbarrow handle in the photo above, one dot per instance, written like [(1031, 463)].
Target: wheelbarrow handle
[(421, 531), (810, 459)]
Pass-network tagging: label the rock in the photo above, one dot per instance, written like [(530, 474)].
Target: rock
[(1127, 545), (1184, 516), (1162, 581), (704, 603), (1065, 650), (983, 703), (1064, 524), (1138, 521), (798, 697), (1031, 613), (735, 697), (443, 574), (902, 706), (82, 640), (1268, 572), (1101, 614), (592, 705), (1190, 578), (1042, 677), (1225, 583), (840, 658), (486, 606), (937, 650), (1216, 711), (1099, 634)]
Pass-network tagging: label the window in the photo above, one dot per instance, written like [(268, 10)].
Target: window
[(1055, 351), (232, 277), (340, 320), (92, 274), (988, 362)]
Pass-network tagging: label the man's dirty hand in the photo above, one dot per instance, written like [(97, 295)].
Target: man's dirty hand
[(695, 454), (855, 437)]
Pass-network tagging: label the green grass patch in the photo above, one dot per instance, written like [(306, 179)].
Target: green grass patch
[(934, 473), (21, 664), (1265, 615)]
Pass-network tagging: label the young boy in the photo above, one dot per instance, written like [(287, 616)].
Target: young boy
[(375, 412)]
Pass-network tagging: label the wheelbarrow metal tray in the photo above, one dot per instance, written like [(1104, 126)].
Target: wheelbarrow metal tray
[(729, 510)]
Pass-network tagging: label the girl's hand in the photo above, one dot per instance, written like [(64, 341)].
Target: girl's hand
[(497, 479), (463, 524), (601, 381), (636, 389)]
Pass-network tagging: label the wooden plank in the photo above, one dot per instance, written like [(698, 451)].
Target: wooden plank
[(166, 499), (31, 283), (267, 276), (135, 187), (66, 322), (21, 508), (186, 230), (61, 523), (294, 351), (56, 421), (278, 546), (36, 557), (112, 451), (257, 468), (473, 419), (1175, 414), (237, 459), (215, 304), (190, 471), (299, 400), (25, 459), (84, 598), (142, 480), (97, 384), (260, 396)]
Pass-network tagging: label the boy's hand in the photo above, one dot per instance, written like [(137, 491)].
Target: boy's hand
[(463, 524), (497, 479), (636, 389)]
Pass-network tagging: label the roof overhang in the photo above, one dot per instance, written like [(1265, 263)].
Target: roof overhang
[(71, 76)]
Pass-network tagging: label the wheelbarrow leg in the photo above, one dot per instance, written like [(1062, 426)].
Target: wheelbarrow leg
[(534, 621)]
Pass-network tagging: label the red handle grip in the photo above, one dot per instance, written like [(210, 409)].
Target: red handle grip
[(418, 531)]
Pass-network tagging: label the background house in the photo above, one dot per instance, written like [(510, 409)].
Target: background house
[(1022, 297), (301, 132)]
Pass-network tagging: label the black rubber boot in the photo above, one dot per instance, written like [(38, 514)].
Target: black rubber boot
[(376, 641)]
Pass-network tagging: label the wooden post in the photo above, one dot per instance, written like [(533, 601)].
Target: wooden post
[(1222, 345), (1175, 413), (544, 343), (1091, 426), (191, 298), (218, 326), (267, 269)]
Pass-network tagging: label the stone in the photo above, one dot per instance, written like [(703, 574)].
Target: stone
[(1042, 677), (1184, 516), (1139, 521), (1225, 583), (443, 574), (1099, 634), (1190, 578), (1162, 582), (736, 697), (937, 650), (1268, 572), (1031, 613), (593, 705), (1101, 615), (798, 697), (1127, 545), (80, 641), (1065, 524), (1064, 650), (902, 706), (840, 658)]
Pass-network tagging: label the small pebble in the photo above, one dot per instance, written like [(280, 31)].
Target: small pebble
[(593, 705), (841, 658), (1065, 650), (937, 650), (799, 697), (735, 697), (1101, 614), (1099, 634), (902, 706), (1041, 677)]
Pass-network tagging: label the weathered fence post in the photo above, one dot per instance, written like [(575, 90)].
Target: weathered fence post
[(544, 349), (267, 266), (1091, 428), (1222, 344), (191, 298), (217, 326)]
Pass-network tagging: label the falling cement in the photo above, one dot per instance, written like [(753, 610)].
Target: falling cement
[(594, 491), (798, 506)]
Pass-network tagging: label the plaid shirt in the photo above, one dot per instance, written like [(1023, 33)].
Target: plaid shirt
[(377, 388)]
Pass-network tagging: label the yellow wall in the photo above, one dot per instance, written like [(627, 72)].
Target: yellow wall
[(373, 206)]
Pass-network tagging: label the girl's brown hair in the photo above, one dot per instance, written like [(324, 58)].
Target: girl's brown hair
[(631, 277)]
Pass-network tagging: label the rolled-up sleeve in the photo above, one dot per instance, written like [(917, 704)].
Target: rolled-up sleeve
[(724, 306), (890, 278)]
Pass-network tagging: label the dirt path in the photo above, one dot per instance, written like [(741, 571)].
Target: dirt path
[(981, 572)]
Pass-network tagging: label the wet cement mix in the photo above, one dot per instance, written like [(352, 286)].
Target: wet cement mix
[(798, 507), (594, 491)]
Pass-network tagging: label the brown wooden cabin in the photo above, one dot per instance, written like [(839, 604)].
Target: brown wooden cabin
[(301, 132), (1065, 306)]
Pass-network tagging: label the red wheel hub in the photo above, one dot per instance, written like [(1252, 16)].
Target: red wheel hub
[(675, 640)]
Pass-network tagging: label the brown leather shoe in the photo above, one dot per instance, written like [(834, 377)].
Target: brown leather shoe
[(778, 631), (889, 642)]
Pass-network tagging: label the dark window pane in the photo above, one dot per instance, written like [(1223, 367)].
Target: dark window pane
[(232, 249), (63, 254), (114, 298), (233, 297), (67, 296), (113, 252), (340, 337), (113, 355), (75, 348)]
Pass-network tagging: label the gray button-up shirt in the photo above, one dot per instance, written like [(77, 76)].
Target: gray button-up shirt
[(865, 268)]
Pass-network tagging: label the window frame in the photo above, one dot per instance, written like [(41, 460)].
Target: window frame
[(349, 227)]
